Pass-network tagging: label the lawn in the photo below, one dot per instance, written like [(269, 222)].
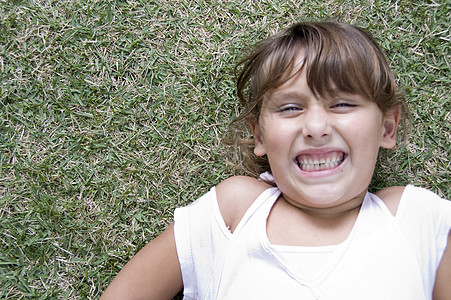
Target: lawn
[(112, 115)]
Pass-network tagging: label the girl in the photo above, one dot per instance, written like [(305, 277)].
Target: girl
[(321, 101)]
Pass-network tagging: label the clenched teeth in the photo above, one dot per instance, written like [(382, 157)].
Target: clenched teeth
[(320, 162)]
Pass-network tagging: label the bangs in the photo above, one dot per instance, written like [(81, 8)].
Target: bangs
[(344, 63), (338, 60)]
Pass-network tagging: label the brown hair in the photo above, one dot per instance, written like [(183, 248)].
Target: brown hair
[(339, 57)]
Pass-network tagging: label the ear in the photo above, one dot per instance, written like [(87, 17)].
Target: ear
[(390, 127), (259, 148)]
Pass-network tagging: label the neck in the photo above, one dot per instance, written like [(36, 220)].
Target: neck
[(329, 213), (291, 223)]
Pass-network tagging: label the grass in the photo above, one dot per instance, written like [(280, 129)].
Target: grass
[(111, 115)]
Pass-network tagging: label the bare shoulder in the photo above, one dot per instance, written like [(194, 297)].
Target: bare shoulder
[(391, 197), (235, 195)]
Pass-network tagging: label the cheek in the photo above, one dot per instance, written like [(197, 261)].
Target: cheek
[(365, 135), (366, 127), (275, 144), (278, 135)]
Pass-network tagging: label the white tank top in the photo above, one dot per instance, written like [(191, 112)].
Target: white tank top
[(384, 257), (310, 261)]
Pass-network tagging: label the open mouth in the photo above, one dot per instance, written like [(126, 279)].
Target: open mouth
[(320, 162)]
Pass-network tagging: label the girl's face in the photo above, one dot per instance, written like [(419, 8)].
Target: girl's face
[(322, 152)]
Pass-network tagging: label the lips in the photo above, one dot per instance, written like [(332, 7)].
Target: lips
[(320, 161)]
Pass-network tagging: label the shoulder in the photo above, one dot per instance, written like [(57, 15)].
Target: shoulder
[(391, 196), (235, 195), (417, 198)]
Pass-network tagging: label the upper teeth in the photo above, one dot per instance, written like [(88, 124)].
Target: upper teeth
[(309, 164)]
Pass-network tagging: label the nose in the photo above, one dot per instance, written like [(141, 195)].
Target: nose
[(316, 124)]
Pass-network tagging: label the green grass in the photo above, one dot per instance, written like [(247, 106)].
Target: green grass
[(111, 115)]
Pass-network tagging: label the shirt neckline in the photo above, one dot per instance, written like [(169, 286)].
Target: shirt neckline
[(339, 251)]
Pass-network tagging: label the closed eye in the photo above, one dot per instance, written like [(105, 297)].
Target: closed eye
[(290, 108), (343, 105)]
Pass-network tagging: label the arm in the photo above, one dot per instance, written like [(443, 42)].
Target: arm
[(153, 273), (442, 287)]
